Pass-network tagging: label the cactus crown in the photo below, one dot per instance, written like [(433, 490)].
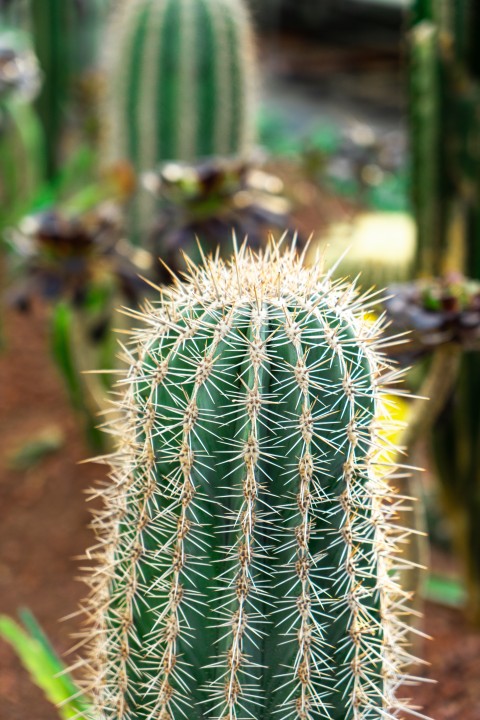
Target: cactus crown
[(247, 557), (180, 76)]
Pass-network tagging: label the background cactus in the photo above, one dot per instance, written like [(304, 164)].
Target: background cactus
[(446, 161), (247, 565), (445, 102), (179, 79), (67, 35), (428, 180), (52, 22), (21, 159), (21, 139)]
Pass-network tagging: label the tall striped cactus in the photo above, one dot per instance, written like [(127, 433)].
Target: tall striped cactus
[(247, 565), (52, 25), (426, 122), (446, 135), (445, 108), (179, 78)]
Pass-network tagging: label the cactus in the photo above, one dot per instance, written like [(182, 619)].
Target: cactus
[(179, 85), (445, 107), (52, 33), (21, 140), (426, 157), (21, 159), (180, 81), (247, 565), (445, 126), (67, 35)]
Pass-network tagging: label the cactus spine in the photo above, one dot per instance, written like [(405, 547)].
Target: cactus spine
[(180, 81), (248, 565)]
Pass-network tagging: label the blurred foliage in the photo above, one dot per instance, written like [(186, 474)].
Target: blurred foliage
[(352, 162), (28, 454), (434, 312), (207, 205), (21, 138), (77, 260), (44, 666), (445, 590)]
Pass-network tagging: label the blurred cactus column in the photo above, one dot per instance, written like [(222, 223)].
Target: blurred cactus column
[(180, 85), (52, 26), (68, 38), (445, 99), (425, 142), (92, 17), (21, 139), (445, 124)]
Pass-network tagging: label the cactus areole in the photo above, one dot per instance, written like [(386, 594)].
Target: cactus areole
[(247, 556)]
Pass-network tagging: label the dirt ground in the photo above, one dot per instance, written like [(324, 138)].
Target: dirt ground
[(43, 528), (44, 516)]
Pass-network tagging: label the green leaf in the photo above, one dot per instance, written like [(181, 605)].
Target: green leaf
[(445, 590), (44, 666), (62, 322), (36, 448), (63, 352)]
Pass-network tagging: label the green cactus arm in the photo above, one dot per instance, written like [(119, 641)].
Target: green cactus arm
[(182, 81)]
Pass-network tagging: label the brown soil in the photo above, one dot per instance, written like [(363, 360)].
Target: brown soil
[(43, 526), (43, 512)]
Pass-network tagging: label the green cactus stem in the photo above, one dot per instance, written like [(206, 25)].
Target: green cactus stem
[(445, 123), (426, 138), (445, 108), (247, 565), (21, 139), (180, 81), (21, 159), (52, 34), (180, 85)]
